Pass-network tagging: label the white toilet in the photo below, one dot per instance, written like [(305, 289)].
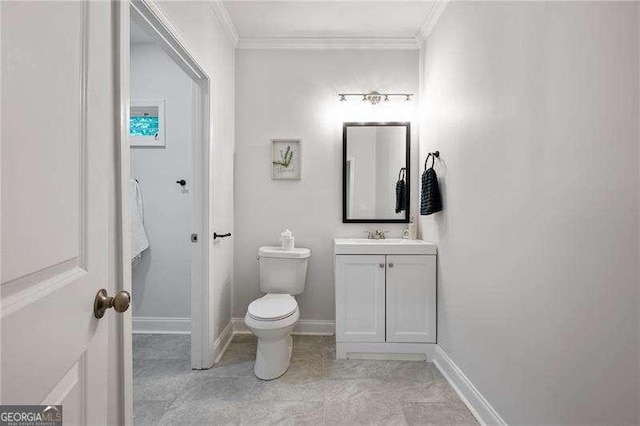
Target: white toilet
[(272, 317)]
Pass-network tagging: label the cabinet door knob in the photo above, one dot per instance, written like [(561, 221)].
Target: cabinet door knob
[(382, 265), (391, 265)]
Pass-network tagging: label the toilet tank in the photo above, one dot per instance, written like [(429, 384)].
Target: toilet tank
[(283, 271)]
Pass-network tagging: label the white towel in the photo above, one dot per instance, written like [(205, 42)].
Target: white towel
[(139, 240)]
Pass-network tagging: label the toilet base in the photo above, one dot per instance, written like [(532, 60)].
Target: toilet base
[(273, 358), (275, 345)]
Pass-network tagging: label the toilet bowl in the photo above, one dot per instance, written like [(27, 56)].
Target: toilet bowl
[(273, 316)]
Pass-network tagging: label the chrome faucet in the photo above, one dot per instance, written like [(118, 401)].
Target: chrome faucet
[(379, 235), (375, 235)]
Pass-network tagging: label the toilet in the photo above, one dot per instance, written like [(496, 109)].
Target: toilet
[(272, 317)]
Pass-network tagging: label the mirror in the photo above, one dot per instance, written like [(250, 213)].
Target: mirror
[(375, 172)]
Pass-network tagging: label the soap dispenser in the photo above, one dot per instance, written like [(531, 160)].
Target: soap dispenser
[(411, 233)]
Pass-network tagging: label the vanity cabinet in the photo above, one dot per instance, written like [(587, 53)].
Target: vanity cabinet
[(411, 298), (360, 298), (388, 298)]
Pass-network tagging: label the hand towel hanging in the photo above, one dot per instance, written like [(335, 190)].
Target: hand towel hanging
[(401, 192), (430, 201), (139, 240)]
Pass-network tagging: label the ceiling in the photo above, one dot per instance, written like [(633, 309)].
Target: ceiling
[(328, 19)]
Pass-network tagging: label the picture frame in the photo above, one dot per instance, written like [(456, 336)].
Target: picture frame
[(147, 123), (286, 159)]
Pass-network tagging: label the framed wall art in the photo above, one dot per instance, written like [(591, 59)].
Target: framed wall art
[(146, 123), (286, 158)]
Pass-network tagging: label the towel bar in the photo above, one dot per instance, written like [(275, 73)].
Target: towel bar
[(435, 154)]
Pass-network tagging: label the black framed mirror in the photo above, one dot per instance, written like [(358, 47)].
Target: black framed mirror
[(376, 178)]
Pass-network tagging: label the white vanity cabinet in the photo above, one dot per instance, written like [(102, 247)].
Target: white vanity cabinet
[(360, 298), (385, 297), (411, 298)]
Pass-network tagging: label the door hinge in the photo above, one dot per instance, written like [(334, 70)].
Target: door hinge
[(194, 238)]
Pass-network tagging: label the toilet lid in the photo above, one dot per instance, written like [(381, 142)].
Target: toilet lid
[(272, 307)]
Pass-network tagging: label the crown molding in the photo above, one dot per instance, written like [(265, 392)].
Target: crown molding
[(225, 20), (433, 16), (329, 43)]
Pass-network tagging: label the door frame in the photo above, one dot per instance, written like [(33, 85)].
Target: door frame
[(147, 13)]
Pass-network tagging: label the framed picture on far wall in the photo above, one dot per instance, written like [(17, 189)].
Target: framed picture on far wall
[(146, 123), (286, 158)]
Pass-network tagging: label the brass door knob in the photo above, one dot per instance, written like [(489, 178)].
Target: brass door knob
[(391, 265), (120, 302)]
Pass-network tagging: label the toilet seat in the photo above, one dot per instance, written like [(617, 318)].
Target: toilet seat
[(272, 307)]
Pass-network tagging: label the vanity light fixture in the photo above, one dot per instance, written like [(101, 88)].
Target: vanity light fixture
[(374, 97)]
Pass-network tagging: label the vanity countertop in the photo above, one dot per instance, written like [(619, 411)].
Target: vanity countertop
[(383, 246)]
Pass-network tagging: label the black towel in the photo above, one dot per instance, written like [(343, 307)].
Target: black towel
[(401, 195), (431, 201)]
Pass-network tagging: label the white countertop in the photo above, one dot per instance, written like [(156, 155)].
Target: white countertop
[(385, 246)]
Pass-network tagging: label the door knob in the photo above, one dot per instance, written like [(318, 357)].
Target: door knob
[(120, 302), (391, 265), (381, 265)]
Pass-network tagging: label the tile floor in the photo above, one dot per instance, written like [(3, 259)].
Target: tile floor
[(317, 389)]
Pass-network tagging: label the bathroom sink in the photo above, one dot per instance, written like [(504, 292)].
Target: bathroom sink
[(385, 246)]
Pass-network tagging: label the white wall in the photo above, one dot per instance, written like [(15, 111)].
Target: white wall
[(293, 94), (162, 280), (206, 39), (534, 108)]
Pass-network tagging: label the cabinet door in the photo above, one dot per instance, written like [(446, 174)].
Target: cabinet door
[(360, 295), (411, 298)]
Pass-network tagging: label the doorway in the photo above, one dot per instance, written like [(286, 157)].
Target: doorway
[(164, 187)]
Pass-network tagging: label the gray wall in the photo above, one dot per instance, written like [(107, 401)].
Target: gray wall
[(162, 280), (204, 36), (534, 108), (293, 94)]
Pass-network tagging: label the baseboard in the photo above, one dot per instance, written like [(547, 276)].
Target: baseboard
[(309, 327), (385, 351), (161, 325), (222, 342), (477, 404)]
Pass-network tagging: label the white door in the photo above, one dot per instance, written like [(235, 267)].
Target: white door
[(411, 298), (360, 297), (57, 156)]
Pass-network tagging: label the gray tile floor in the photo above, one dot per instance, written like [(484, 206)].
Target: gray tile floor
[(317, 389)]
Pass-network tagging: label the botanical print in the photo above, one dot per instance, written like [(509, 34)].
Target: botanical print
[(285, 161), (285, 158)]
